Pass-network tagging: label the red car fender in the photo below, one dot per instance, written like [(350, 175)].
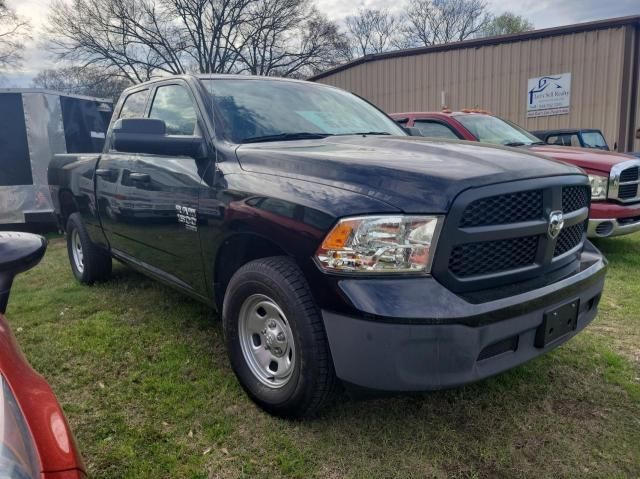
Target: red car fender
[(51, 434)]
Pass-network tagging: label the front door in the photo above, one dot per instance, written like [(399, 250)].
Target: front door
[(160, 196), (108, 175)]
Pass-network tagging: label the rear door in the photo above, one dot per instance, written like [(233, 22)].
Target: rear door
[(109, 172), (160, 195)]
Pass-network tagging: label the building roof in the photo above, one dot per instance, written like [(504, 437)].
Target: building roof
[(486, 41)]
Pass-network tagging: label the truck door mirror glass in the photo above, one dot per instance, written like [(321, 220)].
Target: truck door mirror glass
[(18, 253), (148, 135)]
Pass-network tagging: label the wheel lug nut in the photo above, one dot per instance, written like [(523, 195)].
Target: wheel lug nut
[(280, 336), (272, 324)]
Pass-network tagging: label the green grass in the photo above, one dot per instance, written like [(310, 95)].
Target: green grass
[(143, 377)]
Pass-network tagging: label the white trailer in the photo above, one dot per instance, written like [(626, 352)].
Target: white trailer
[(35, 124)]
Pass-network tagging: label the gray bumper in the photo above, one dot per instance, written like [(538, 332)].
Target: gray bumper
[(603, 228), (394, 355)]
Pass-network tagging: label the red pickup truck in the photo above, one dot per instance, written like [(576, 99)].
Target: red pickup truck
[(614, 177)]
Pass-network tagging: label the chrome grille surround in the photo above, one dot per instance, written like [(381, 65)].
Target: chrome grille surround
[(622, 185)]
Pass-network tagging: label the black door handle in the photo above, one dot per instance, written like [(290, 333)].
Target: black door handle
[(140, 177), (105, 172)]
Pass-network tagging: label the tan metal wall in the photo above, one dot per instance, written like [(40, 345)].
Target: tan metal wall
[(494, 77)]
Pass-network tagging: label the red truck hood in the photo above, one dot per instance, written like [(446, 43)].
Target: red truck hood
[(584, 158)]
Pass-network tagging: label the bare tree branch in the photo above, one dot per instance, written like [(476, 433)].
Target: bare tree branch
[(430, 22), (81, 80), (136, 39), (372, 31), (14, 32)]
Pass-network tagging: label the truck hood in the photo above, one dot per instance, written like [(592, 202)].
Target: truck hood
[(589, 159), (416, 175)]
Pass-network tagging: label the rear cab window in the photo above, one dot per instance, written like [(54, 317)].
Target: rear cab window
[(564, 140)]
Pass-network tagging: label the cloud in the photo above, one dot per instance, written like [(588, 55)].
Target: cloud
[(547, 13)]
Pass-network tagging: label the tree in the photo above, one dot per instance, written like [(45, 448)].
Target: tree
[(372, 31), (14, 31), (288, 38), (507, 23), (136, 39), (76, 80), (430, 22)]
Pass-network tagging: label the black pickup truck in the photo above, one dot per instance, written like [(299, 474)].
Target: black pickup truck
[(338, 249)]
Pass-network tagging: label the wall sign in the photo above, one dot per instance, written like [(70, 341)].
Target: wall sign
[(549, 95)]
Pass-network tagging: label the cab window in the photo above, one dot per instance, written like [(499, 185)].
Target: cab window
[(434, 129), (173, 105), (564, 140), (134, 105)]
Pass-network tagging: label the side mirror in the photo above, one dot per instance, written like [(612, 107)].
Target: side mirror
[(147, 135), (18, 253)]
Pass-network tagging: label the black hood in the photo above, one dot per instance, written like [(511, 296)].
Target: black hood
[(416, 175)]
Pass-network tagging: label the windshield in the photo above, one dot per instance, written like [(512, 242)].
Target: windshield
[(269, 110), (490, 129), (594, 139)]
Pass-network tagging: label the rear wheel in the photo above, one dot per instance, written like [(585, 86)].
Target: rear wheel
[(276, 339), (88, 262)]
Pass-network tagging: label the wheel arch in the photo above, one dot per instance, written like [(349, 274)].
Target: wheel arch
[(68, 206), (235, 251)]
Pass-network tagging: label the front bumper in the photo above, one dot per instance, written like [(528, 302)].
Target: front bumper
[(453, 342), (612, 219), (605, 227)]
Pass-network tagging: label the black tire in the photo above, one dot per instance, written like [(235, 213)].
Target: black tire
[(312, 382), (95, 263)]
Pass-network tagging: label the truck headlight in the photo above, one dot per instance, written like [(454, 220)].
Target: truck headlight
[(598, 187), (380, 244)]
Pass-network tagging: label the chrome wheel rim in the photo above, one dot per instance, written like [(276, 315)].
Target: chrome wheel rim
[(266, 341), (76, 249)]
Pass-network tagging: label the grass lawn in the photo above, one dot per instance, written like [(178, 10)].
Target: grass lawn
[(143, 377)]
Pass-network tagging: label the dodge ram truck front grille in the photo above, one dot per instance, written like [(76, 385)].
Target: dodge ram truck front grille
[(502, 209), (630, 174), (623, 182), (491, 256), (574, 198), (569, 238), (512, 232)]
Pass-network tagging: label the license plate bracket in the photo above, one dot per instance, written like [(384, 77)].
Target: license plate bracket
[(556, 323)]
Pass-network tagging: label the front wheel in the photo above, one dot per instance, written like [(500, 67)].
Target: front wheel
[(88, 262), (276, 340)]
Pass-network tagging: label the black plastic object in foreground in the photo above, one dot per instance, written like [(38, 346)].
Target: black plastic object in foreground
[(18, 253)]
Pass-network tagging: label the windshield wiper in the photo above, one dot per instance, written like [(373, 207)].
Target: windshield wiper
[(303, 135), (514, 143), (364, 133)]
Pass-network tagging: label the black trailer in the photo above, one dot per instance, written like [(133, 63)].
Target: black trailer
[(35, 124)]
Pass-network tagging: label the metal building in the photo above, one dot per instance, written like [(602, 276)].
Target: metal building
[(34, 125), (579, 76)]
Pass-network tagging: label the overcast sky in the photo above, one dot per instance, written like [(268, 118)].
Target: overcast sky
[(542, 13)]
